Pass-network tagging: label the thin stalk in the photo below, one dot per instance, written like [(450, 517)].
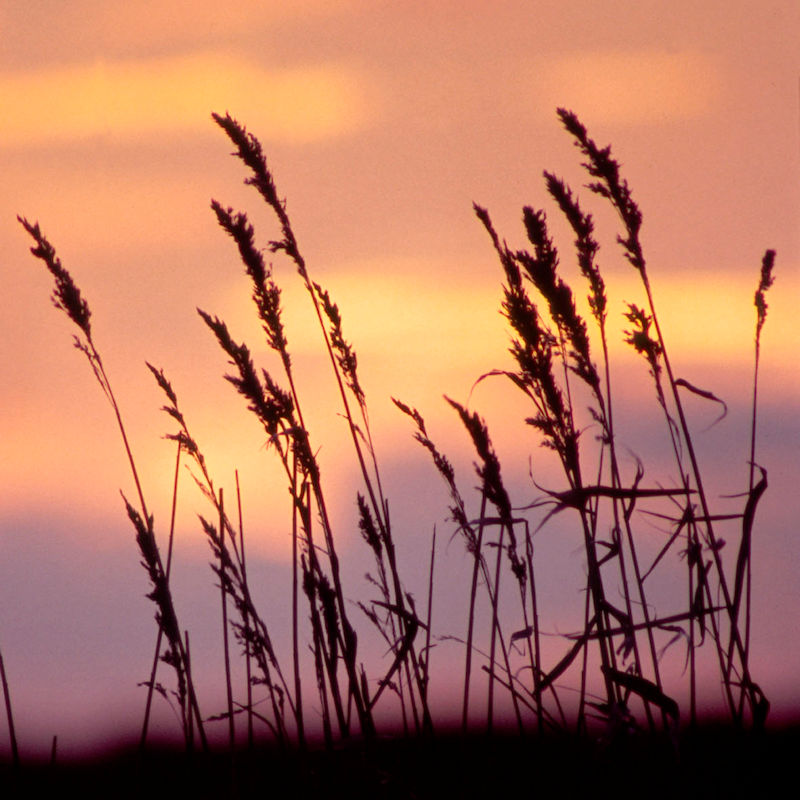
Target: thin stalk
[(497, 636), (225, 644), (765, 282), (493, 638), (152, 682), (581, 719), (537, 649), (471, 617), (247, 657), (298, 691), (189, 725), (692, 546), (427, 666), (9, 715)]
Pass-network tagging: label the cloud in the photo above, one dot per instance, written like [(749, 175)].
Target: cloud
[(633, 87), (175, 95), (59, 30), (396, 308), (191, 21)]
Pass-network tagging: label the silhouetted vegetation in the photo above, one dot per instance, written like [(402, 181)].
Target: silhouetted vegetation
[(608, 683)]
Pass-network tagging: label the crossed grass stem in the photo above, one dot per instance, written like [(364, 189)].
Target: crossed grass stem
[(602, 166), (586, 248), (534, 351), (229, 566)]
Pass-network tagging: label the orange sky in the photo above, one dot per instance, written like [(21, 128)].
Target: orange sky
[(383, 122)]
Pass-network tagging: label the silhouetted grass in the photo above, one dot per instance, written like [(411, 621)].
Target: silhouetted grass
[(619, 650)]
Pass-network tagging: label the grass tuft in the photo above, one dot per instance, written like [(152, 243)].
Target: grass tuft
[(609, 678)]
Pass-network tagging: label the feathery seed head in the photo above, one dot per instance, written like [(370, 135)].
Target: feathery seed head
[(248, 149), (366, 524), (601, 165), (266, 293), (345, 354), (66, 295), (585, 243), (641, 340), (766, 281), (489, 472)]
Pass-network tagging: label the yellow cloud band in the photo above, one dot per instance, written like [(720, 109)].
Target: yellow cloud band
[(633, 87), (176, 95)]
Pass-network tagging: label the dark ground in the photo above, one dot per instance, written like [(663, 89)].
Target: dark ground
[(713, 762)]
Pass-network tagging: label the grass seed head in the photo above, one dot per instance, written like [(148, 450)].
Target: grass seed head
[(66, 295), (766, 281), (641, 340)]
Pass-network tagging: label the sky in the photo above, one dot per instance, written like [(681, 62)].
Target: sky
[(383, 122)]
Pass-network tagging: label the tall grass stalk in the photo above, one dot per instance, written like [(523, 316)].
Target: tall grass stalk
[(743, 580), (246, 621), (156, 655), (225, 643), (12, 735)]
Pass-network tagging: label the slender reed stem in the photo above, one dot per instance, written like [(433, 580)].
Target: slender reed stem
[(225, 644), (429, 618), (298, 691), (9, 715), (247, 656), (473, 591), (156, 655)]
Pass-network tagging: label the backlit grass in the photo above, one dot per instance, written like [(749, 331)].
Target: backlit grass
[(609, 679)]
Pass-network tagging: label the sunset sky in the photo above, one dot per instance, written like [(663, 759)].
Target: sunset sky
[(383, 122)]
